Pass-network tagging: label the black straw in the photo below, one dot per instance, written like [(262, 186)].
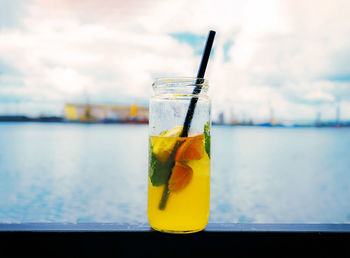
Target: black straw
[(189, 115), (199, 82)]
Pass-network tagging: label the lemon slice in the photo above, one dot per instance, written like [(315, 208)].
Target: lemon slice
[(175, 132), (163, 145)]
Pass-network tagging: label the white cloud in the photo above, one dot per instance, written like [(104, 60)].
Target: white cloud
[(284, 53)]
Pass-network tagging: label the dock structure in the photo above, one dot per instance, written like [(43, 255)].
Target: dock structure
[(98, 113)]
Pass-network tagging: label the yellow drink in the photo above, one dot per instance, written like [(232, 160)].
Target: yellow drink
[(178, 198)]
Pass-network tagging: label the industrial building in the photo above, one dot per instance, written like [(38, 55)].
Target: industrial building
[(95, 113)]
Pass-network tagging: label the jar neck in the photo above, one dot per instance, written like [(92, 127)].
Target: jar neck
[(184, 86)]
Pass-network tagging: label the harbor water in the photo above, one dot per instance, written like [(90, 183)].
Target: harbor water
[(57, 172)]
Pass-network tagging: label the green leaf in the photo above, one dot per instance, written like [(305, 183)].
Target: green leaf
[(158, 171), (207, 138)]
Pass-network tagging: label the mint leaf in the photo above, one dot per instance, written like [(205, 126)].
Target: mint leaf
[(207, 138), (158, 171)]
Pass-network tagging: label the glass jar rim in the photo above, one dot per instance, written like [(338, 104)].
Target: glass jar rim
[(161, 82)]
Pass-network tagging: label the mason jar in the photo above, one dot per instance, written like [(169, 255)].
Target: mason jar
[(179, 155)]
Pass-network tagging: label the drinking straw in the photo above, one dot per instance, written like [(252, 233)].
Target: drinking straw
[(199, 81), (190, 111)]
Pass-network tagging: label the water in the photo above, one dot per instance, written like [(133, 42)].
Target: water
[(98, 173)]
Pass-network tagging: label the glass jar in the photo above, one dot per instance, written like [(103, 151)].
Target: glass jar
[(179, 155)]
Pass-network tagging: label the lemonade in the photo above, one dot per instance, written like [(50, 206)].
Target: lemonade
[(179, 159), (179, 181)]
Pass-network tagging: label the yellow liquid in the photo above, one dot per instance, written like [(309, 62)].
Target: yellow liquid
[(186, 211)]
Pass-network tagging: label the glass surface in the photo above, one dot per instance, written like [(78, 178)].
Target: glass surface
[(96, 173), (179, 156)]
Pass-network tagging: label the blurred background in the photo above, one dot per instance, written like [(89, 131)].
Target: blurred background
[(76, 76)]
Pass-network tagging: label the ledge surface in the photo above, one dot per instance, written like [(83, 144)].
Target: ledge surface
[(144, 227), (217, 240)]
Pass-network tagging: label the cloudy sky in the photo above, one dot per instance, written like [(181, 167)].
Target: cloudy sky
[(289, 56)]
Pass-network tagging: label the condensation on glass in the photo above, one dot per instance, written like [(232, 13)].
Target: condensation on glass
[(179, 167)]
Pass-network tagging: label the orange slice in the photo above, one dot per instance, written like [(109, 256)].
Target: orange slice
[(191, 149), (180, 176)]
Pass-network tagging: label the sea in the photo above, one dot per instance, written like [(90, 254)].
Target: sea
[(61, 172)]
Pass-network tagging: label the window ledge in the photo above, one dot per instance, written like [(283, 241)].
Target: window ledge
[(140, 240)]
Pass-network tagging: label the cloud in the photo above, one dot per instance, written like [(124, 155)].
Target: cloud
[(292, 63), (288, 55)]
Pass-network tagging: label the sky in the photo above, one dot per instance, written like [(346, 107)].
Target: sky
[(289, 56)]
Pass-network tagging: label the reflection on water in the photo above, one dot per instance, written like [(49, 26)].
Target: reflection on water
[(98, 173)]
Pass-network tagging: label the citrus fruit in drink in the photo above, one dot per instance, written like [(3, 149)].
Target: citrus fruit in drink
[(191, 149), (180, 177), (163, 146)]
